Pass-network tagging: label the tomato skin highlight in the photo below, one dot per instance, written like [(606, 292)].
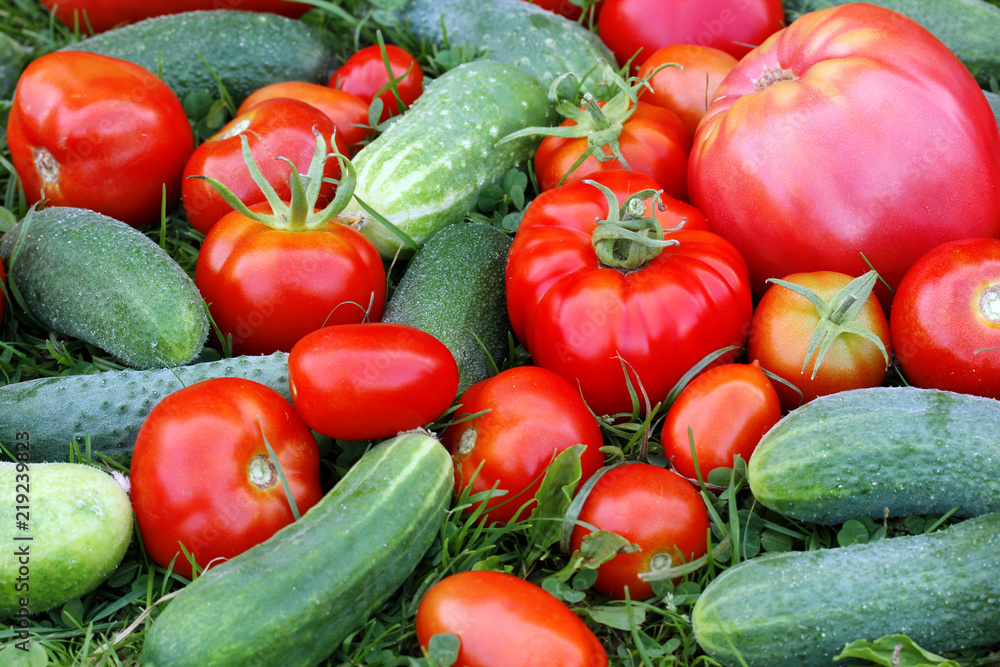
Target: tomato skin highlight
[(364, 74), (504, 621), (372, 380), (191, 471)]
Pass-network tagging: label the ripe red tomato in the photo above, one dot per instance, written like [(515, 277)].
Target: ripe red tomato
[(504, 621), (688, 91), (568, 9), (821, 146), (202, 476), (74, 136), (733, 26), (370, 381), (945, 318), (533, 416), (364, 73), (727, 409), (274, 128), (649, 506), (101, 15), (783, 326)]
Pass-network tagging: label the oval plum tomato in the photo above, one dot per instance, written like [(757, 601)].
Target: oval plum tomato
[(945, 318), (101, 15), (792, 162), (366, 75), (275, 128), (651, 507), (640, 27), (202, 476), (821, 349), (685, 90), (73, 129), (728, 409), (347, 111), (504, 621), (533, 415), (372, 380)]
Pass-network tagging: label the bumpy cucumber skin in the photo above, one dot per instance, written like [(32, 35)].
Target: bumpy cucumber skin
[(90, 276), (863, 451), (799, 609), (80, 525), (111, 406), (427, 170), (246, 50), (292, 599), (454, 289)]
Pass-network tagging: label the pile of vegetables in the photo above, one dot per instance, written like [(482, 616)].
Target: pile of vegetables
[(498, 333)]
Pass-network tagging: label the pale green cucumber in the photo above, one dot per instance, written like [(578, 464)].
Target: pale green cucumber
[(292, 599), (92, 277), (66, 527), (110, 407), (427, 170)]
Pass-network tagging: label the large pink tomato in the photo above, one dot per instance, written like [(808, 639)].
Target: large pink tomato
[(852, 131)]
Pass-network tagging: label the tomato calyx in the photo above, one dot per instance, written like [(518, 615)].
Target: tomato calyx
[(771, 76), (629, 239), (262, 473)]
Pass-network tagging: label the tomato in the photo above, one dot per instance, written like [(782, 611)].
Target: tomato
[(504, 621), (567, 8), (640, 27), (371, 380), (653, 141), (96, 132), (533, 415), (101, 15), (365, 74), (821, 146), (202, 476), (581, 317), (651, 507), (945, 318), (727, 409), (685, 90), (274, 128), (347, 111), (783, 328)]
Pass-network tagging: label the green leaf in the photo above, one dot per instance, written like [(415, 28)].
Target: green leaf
[(443, 649), (852, 532), (555, 494), (617, 616), (894, 651), (14, 655)]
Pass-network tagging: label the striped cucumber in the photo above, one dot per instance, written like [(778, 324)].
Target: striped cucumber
[(292, 599), (427, 170)]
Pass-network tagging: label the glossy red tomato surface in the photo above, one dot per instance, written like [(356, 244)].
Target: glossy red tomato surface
[(371, 380), (365, 74), (533, 415), (101, 15), (202, 476), (504, 621), (945, 318), (96, 132)]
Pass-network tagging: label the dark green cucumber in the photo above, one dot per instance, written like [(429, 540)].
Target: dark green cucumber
[(111, 406), (246, 50), (292, 599), (867, 451), (95, 278), (801, 608), (454, 289)]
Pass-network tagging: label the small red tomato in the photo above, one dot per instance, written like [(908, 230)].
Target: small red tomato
[(533, 416), (202, 476), (370, 381), (727, 409), (365, 74), (504, 621), (945, 318), (649, 506), (568, 9)]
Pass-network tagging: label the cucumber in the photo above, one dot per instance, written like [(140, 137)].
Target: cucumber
[(453, 289), (246, 50), (801, 608), (968, 27), (66, 527), (292, 599), (426, 171), (865, 451), (111, 406), (524, 35), (87, 275)]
